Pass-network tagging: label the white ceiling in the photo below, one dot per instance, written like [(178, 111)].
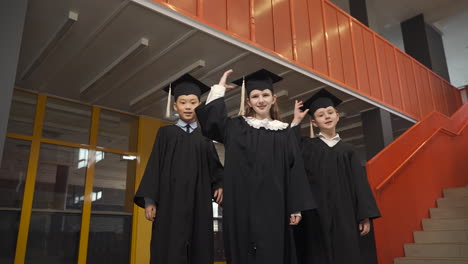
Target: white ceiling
[(88, 63)]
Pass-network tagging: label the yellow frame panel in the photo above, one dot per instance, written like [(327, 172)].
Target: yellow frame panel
[(26, 207)]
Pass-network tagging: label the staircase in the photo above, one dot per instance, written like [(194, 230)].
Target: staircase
[(444, 239)]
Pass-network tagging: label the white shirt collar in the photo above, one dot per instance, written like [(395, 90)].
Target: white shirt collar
[(330, 141), (266, 123), (181, 123)]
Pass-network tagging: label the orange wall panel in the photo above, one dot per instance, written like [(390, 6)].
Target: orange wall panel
[(264, 32), (374, 83), (436, 92), (302, 33), (333, 43), (320, 37), (282, 28), (214, 12), (411, 86), (238, 17), (347, 50), (362, 69), (426, 86), (393, 76), (384, 71), (445, 97), (319, 52), (452, 101), (189, 6), (403, 82)]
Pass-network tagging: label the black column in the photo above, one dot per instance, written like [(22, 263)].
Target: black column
[(378, 131), (424, 43), (358, 9), (12, 17)]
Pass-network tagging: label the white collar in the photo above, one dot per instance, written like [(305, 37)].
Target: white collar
[(335, 138), (182, 123), (265, 123)]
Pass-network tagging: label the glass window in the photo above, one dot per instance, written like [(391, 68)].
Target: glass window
[(58, 198), (109, 239), (13, 172), (112, 209), (22, 113), (53, 238), (67, 121), (60, 178), (118, 131)]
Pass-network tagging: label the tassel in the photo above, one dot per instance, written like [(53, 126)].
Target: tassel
[(168, 106), (242, 104), (312, 135)]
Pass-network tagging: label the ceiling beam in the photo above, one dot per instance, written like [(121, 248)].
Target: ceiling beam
[(51, 45), (133, 50)]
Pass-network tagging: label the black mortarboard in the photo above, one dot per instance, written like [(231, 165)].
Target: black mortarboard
[(185, 85), (321, 99), (259, 80)]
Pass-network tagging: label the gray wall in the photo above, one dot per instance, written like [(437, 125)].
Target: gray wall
[(12, 16)]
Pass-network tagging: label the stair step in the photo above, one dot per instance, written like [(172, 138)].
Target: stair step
[(445, 224), (440, 213), (452, 202), (413, 260), (456, 192), (454, 236), (437, 250)]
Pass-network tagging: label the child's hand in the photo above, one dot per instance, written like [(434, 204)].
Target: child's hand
[(298, 113), (150, 212), (223, 79), (364, 226), (294, 219), (218, 195)]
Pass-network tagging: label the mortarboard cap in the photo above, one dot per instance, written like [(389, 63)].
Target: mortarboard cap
[(259, 80), (184, 85), (321, 99)]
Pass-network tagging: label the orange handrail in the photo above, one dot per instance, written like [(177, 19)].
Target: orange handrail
[(409, 175), (413, 154)]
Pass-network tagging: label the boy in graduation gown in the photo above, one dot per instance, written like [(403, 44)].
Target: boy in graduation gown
[(339, 184), (182, 176), (265, 183)]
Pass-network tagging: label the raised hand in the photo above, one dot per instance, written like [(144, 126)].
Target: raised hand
[(223, 79), (298, 113)]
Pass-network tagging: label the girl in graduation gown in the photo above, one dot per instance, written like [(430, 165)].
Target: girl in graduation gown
[(182, 176), (345, 203), (265, 187)]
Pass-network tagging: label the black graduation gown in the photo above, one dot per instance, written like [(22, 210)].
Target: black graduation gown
[(182, 173), (264, 182), (343, 195)]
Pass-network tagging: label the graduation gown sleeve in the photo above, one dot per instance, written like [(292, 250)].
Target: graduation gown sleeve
[(215, 167), (213, 119), (149, 185), (366, 206), (300, 195)]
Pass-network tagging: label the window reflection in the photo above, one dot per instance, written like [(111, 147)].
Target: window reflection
[(22, 112), (67, 121)]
